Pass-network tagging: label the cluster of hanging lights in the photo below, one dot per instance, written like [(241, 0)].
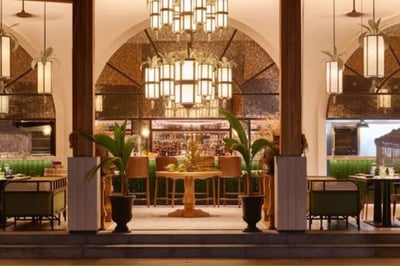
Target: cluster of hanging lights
[(189, 81), (44, 65), (186, 15), (374, 44), (188, 78)]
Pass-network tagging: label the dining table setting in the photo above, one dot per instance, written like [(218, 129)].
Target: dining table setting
[(382, 183)]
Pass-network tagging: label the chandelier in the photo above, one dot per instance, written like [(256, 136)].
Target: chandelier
[(185, 15), (187, 79)]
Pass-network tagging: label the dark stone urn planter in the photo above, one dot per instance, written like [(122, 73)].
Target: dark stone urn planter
[(251, 211), (121, 211)]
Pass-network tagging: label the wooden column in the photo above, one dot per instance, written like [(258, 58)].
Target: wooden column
[(82, 77), (290, 168), (290, 53), (84, 196)]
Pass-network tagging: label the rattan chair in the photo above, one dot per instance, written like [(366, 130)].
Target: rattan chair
[(161, 162), (138, 168), (231, 168)]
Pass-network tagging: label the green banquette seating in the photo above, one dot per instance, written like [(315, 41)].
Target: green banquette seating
[(29, 167), (333, 199), (37, 198)]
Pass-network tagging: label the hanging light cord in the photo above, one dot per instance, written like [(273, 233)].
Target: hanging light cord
[(334, 27), (1, 16), (44, 26), (373, 10)]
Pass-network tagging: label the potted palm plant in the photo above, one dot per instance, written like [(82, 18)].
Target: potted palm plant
[(120, 148), (251, 201)]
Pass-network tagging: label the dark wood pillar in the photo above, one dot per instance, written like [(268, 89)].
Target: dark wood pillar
[(290, 166), (290, 53), (82, 78)]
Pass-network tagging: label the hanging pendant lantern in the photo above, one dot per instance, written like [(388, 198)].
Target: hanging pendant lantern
[(152, 81), (334, 66), (374, 46), (206, 77), (99, 103), (44, 65), (334, 77), (45, 77), (167, 72), (155, 15), (5, 44), (186, 83), (4, 104), (384, 99), (374, 56)]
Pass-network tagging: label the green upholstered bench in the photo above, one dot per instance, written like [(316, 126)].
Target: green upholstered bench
[(28, 167), (333, 199), (37, 198)]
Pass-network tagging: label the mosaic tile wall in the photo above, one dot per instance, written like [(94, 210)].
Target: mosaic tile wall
[(359, 99), (256, 77), (24, 102)]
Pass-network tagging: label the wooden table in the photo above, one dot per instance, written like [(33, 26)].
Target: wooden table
[(381, 214), (189, 199)]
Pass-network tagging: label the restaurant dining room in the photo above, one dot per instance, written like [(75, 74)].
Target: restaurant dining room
[(223, 117)]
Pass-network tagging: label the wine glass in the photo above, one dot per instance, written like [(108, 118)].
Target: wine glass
[(6, 168)]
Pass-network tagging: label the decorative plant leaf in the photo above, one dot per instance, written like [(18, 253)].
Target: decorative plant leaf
[(151, 62), (373, 28), (243, 146), (226, 63), (45, 56), (335, 57), (169, 58), (119, 147), (7, 31)]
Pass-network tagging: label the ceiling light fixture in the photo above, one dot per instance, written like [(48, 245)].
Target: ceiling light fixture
[(374, 43), (5, 66), (185, 15), (188, 78), (334, 66), (44, 63), (384, 99), (362, 123)]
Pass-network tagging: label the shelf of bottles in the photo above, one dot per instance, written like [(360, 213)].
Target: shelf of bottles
[(171, 137)]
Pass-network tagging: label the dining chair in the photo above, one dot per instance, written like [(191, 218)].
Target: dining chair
[(368, 198), (231, 168), (202, 186), (138, 168), (161, 163), (395, 198)]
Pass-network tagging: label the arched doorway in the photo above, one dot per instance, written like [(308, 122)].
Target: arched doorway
[(120, 87)]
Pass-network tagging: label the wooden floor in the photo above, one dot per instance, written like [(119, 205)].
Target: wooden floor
[(209, 262)]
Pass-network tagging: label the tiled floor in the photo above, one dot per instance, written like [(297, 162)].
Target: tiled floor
[(148, 219)]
